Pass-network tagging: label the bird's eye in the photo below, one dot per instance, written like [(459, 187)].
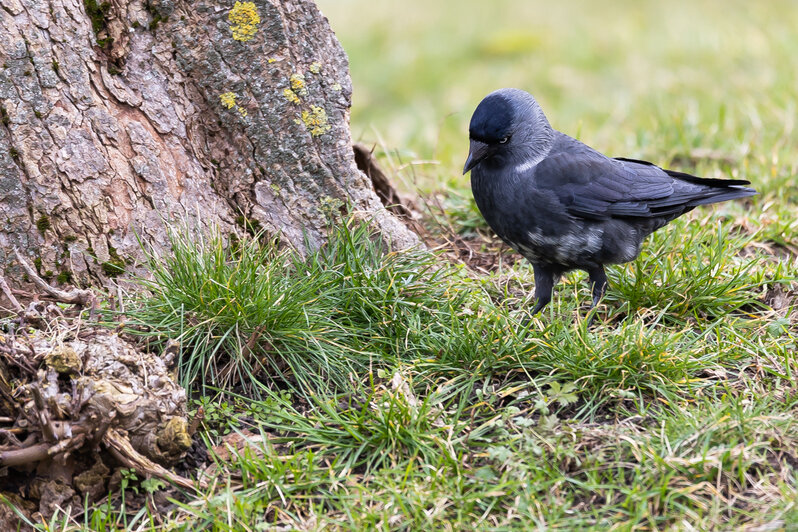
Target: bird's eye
[(504, 140)]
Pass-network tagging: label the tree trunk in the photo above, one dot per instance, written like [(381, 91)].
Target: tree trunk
[(120, 117)]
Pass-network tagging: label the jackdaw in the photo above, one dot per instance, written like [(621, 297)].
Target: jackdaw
[(562, 204)]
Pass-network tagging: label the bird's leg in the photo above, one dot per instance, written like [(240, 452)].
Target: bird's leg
[(598, 283), (544, 284)]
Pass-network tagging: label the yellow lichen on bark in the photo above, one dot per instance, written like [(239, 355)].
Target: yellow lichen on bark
[(298, 84), (316, 121), (291, 96), (228, 99), (244, 20)]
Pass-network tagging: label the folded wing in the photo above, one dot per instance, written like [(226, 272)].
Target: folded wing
[(593, 186)]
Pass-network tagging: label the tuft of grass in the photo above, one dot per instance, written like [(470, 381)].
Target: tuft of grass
[(695, 268), (243, 313), (249, 314)]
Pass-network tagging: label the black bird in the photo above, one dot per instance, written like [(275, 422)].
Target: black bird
[(562, 204)]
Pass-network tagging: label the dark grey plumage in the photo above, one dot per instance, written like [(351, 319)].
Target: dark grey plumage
[(562, 204)]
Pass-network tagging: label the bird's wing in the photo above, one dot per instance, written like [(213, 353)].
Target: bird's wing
[(591, 185)]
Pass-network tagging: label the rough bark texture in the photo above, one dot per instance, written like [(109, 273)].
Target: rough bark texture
[(119, 116)]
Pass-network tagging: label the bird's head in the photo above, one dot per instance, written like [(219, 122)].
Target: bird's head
[(507, 122)]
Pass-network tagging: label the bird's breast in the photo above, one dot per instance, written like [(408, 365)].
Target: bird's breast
[(534, 221), (501, 197)]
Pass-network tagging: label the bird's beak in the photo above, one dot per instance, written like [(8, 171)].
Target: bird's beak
[(476, 152)]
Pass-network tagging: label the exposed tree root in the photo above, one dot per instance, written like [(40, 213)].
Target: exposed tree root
[(78, 402), (75, 296)]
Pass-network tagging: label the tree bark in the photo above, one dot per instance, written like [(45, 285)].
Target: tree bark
[(121, 117)]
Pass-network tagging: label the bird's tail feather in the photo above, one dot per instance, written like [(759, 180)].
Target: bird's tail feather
[(717, 190), (708, 181), (724, 194)]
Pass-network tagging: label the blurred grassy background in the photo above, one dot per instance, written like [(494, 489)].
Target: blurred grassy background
[(708, 84)]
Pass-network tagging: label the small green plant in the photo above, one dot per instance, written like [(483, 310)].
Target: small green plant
[(43, 224), (129, 480), (219, 415), (115, 265), (97, 13), (152, 485)]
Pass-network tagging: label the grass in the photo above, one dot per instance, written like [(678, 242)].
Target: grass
[(436, 406), (399, 391), (252, 316)]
